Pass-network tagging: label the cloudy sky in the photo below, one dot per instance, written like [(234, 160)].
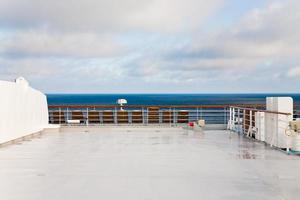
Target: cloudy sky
[(152, 46)]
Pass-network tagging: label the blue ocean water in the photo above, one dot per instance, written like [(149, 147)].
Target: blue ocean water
[(162, 99)]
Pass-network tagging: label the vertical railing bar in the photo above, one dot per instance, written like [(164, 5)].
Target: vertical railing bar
[(244, 121), (101, 117), (59, 115), (67, 115), (230, 119), (239, 120), (143, 115), (233, 117), (224, 115), (116, 115), (250, 125), (170, 116), (87, 116), (146, 116), (174, 117), (159, 117)]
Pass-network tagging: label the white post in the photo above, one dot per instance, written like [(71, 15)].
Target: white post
[(87, 116), (233, 118), (230, 119), (250, 125), (244, 121), (59, 115), (239, 120)]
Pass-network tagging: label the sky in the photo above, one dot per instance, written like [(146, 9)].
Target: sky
[(152, 46)]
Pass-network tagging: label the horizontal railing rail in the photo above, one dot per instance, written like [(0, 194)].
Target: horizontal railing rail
[(258, 106), (260, 110), (145, 114), (243, 119), (135, 114)]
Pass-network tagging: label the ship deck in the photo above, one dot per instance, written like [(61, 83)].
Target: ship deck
[(146, 163)]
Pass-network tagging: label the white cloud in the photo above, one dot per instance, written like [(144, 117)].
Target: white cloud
[(293, 72), (103, 15), (85, 40), (263, 43), (49, 44)]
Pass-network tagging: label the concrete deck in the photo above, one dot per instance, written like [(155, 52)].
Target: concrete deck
[(146, 164)]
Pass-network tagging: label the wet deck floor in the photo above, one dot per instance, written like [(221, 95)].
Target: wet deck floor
[(150, 164)]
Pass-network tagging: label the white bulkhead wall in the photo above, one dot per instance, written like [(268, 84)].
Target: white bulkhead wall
[(23, 110), (276, 124)]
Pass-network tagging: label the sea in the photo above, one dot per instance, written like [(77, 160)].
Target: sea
[(163, 99)]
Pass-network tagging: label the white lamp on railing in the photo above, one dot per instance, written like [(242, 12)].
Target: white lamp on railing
[(121, 102)]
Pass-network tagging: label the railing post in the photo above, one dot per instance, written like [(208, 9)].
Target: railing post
[(159, 116), (227, 114), (67, 114), (228, 122), (87, 116), (170, 116), (231, 118), (239, 120), (129, 117), (101, 117), (224, 113), (147, 115), (174, 117), (250, 125), (201, 113), (59, 115), (143, 115), (244, 121), (115, 116)]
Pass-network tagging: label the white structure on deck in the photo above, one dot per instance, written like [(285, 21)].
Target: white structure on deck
[(24, 110), (276, 125), (273, 125), (260, 125)]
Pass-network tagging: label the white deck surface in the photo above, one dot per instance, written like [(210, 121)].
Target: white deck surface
[(146, 164)]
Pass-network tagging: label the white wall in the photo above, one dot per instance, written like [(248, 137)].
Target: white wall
[(275, 125), (23, 110), (260, 125)]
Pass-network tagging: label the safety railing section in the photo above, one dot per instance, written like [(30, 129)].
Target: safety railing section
[(248, 120), (277, 129), (88, 115)]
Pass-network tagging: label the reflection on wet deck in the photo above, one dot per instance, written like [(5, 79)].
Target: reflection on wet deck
[(141, 163)]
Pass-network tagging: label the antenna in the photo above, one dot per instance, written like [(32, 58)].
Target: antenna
[(121, 102)]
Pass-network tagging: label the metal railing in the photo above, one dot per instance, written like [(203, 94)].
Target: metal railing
[(109, 114), (243, 120), (173, 115)]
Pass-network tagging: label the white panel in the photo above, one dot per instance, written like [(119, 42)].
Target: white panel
[(275, 124), (23, 110), (270, 103), (284, 104), (260, 125)]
